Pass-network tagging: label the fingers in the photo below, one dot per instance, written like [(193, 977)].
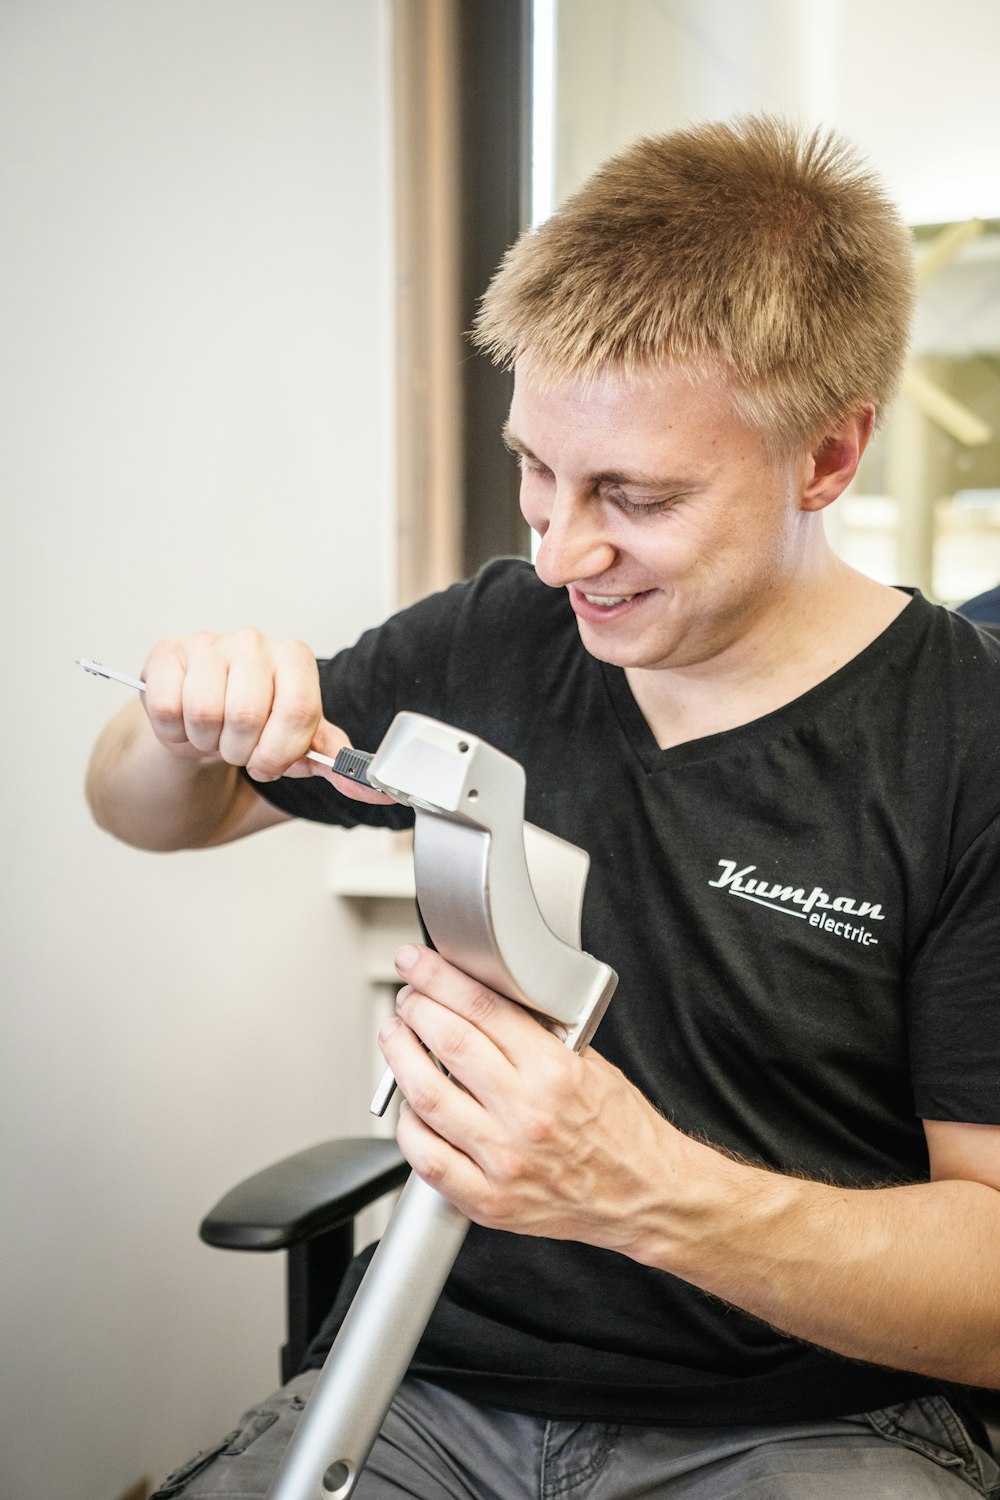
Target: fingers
[(449, 1103), (439, 1100), (204, 685), (294, 711), (509, 1027), (482, 1132), (500, 1055), (163, 700), (443, 1131), (442, 1165), (249, 700), (246, 689)]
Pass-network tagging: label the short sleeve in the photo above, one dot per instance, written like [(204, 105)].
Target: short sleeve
[(953, 994)]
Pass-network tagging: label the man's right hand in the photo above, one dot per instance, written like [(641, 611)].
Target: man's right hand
[(250, 700), (164, 773)]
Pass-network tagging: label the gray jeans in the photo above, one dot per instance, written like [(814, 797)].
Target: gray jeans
[(437, 1446)]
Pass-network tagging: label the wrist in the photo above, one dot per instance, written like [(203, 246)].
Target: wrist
[(711, 1208)]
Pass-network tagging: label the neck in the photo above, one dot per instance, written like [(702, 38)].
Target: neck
[(804, 634)]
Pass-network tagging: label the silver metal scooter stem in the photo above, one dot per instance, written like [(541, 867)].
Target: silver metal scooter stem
[(501, 900)]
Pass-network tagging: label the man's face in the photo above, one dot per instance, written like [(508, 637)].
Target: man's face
[(660, 512)]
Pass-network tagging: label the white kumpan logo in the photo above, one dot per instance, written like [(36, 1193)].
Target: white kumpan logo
[(792, 901)]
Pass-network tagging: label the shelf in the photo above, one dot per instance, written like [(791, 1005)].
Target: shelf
[(372, 864)]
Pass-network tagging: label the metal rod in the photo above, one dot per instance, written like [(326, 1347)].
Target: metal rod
[(375, 1344)]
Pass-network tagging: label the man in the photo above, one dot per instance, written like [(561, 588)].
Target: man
[(745, 1243)]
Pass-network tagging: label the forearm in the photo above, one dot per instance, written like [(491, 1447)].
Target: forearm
[(150, 796), (523, 1135), (903, 1276)]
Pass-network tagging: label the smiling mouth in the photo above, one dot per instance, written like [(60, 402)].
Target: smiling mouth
[(607, 601), (599, 607)]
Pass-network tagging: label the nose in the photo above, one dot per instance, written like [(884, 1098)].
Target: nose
[(573, 546)]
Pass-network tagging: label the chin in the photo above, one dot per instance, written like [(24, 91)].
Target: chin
[(614, 653)]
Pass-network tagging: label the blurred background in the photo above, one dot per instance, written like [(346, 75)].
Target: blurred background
[(240, 242)]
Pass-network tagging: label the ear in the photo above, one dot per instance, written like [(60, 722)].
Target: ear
[(832, 461)]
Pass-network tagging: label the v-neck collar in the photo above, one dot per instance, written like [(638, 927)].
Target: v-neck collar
[(911, 622)]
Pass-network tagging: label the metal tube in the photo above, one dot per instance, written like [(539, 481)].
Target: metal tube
[(374, 1347)]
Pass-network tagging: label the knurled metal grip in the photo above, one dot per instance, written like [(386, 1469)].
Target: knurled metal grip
[(502, 900)]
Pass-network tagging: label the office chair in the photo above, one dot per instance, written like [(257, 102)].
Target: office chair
[(306, 1204)]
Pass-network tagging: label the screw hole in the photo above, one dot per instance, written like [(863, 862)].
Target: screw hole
[(473, 795), (463, 747), (336, 1477)]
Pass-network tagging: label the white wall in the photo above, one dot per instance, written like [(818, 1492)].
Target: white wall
[(195, 431)]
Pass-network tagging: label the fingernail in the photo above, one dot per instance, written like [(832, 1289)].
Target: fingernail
[(407, 956)]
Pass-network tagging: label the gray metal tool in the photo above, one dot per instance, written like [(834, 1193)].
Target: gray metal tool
[(502, 900)]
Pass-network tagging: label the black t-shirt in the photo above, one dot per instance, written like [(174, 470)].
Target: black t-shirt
[(803, 915)]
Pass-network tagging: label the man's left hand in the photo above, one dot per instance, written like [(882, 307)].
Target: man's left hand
[(524, 1135)]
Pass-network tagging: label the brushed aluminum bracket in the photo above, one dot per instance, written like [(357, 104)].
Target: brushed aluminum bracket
[(502, 900)]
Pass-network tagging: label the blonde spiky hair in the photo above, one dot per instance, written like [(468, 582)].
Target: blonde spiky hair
[(748, 247)]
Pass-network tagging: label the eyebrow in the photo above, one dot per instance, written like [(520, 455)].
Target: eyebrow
[(642, 478), (514, 445)]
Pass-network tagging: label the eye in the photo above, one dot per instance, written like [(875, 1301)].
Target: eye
[(533, 467), (636, 506)]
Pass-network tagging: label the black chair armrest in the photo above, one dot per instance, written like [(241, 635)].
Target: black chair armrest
[(306, 1204), (303, 1195)]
